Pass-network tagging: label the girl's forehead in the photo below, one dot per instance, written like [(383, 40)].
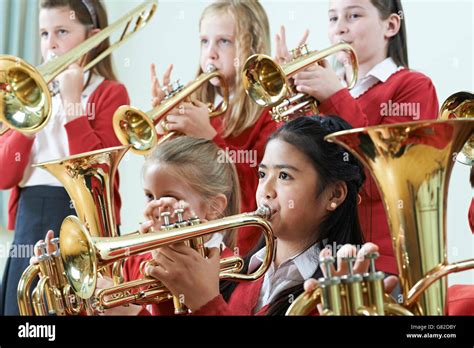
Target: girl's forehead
[(218, 23), (56, 16)]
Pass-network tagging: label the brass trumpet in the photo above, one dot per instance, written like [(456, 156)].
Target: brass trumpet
[(460, 105), (137, 128), (411, 164), (88, 178), (267, 83), (83, 255), (25, 103)]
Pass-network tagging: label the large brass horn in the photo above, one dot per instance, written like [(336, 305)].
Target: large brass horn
[(25, 103), (135, 127), (460, 105), (267, 83), (411, 164), (88, 178)]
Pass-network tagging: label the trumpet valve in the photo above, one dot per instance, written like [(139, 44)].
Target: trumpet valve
[(299, 51), (165, 216)]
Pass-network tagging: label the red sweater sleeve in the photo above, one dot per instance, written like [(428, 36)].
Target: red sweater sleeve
[(216, 306), (95, 130), (15, 150), (401, 88)]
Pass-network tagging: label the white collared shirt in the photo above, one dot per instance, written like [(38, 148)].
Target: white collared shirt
[(379, 73), (51, 142), (293, 271)]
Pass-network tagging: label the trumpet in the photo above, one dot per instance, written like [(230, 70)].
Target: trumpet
[(83, 255), (267, 83), (137, 128), (418, 156), (460, 105), (25, 103)]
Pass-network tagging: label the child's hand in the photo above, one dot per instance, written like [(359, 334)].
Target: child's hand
[(318, 80), (157, 92), (191, 118), (131, 309), (282, 53), (187, 274), (154, 209), (49, 245), (71, 84)]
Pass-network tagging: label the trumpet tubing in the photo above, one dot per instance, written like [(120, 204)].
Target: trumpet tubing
[(137, 128), (267, 83), (25, 100)]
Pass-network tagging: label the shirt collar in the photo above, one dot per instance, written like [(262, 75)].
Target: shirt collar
[(383, 70), (306, 261)]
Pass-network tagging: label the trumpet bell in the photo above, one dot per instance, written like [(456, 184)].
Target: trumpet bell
[(133, 126), (78, 257), (24, 104), (264, 80)]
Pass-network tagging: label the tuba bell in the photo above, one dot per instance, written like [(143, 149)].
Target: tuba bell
[(411, 164), (460, 105), (25, 99), (267, 83), (137, 128), (88, 179)]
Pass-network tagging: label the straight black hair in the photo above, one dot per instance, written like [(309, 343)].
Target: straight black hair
[(332, 164)]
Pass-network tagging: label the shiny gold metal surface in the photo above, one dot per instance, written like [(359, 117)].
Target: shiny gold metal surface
[(267, 83), (25, 100)]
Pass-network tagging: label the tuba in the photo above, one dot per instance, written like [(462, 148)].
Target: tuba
[(25, 99), (460, 105), (411, 164), (137, 128), (88, 179), (267, 83)]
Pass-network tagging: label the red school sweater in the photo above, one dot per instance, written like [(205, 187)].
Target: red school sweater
[(369, 109), (84, 135), (244, 148)]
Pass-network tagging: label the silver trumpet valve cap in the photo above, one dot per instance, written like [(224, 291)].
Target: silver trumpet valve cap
[(55, 242), (43, 249), (326, 262), (165, 216), (179, 213), (372, 257), (350, 264)]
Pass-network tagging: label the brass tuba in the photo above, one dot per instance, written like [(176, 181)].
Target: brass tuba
[(25, 99), (411, 163), (460, 105), (88, 178), (267, 83), (134, 127)]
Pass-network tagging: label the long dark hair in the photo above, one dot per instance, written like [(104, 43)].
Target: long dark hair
[(397, 46), (332, 164)]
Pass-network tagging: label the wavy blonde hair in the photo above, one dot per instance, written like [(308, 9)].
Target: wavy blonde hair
[(252, 36)]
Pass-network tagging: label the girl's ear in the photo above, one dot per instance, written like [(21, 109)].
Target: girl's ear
[(337, 195), (216, 207), (93, 32), (393, 23)]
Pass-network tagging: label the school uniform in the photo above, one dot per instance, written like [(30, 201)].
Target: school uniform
[(247, 149), (460, 300), (388, 94), (38, 202)]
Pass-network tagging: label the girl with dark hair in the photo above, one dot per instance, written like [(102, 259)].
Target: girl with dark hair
[(387, 91), (81, 121), (312, 189)]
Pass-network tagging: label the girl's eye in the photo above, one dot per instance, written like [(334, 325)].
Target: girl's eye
[(149, 197), (354, 16), (44, 34), (261, 174), (62, 32), (284, 176), (224, 42), (204, 41), (332, 19)]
